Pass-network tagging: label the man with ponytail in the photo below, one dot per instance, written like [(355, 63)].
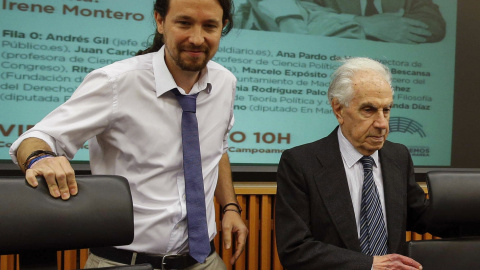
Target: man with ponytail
[(132, 113)]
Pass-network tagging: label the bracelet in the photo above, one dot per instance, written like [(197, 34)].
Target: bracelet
[(36, 153), (35, 160), (239, 209), (234, 210)]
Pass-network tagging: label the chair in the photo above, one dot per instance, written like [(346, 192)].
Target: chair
[(35, 225), (454, 202)]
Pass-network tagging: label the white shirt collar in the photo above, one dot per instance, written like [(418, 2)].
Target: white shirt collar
[(349, 153), (164, 83)]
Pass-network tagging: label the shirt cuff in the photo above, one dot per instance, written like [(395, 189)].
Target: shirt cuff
[(31, 134)]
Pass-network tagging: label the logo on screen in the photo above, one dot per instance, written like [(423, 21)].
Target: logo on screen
[(419, 151), (406, 125)]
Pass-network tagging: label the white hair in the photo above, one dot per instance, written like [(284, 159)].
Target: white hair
[(341, 86)]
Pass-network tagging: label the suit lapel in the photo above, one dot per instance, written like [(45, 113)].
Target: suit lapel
[(394, 198), (331, 182)]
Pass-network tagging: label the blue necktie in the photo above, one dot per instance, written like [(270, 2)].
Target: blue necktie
[(373, 233), (198, 240)]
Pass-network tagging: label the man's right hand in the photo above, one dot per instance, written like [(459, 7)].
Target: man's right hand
[(395, 261), (57, 171), (59, 175)]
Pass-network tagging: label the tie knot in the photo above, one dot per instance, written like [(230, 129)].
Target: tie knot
[(187, 102), (367, 162)]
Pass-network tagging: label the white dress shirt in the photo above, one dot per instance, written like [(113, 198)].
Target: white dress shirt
[(133, 123), (354, 170)]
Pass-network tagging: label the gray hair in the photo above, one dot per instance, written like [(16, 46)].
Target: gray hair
[(341, 86)]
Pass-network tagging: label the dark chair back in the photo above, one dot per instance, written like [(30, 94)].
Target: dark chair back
[(454, 197), (446, 254), (36, 225), (454, 203)]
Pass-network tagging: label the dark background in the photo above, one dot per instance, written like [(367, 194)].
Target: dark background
[(466, 112)]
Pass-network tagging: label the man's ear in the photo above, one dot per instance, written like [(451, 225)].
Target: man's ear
[(338, 110), (159, 21)]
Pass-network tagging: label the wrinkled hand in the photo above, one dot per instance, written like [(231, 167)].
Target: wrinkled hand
[(58, 174), (393, 27), (292, 25), (233, 223), (395, 261)]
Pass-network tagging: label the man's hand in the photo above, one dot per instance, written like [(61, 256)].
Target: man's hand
[(393, 27), (233, 223), (58, 174), (395, 261)]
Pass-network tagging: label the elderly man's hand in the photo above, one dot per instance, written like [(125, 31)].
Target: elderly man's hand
[(395, 261)]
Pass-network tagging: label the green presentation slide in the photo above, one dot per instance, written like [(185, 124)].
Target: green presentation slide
[(281, 51)]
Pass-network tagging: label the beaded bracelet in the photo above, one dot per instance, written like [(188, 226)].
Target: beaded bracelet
[(36, 153), (35, 160)]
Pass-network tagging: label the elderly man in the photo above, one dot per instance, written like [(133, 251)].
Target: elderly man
[(345, 201)]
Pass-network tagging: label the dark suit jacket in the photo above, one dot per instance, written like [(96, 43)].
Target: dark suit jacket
[(314, 217)]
